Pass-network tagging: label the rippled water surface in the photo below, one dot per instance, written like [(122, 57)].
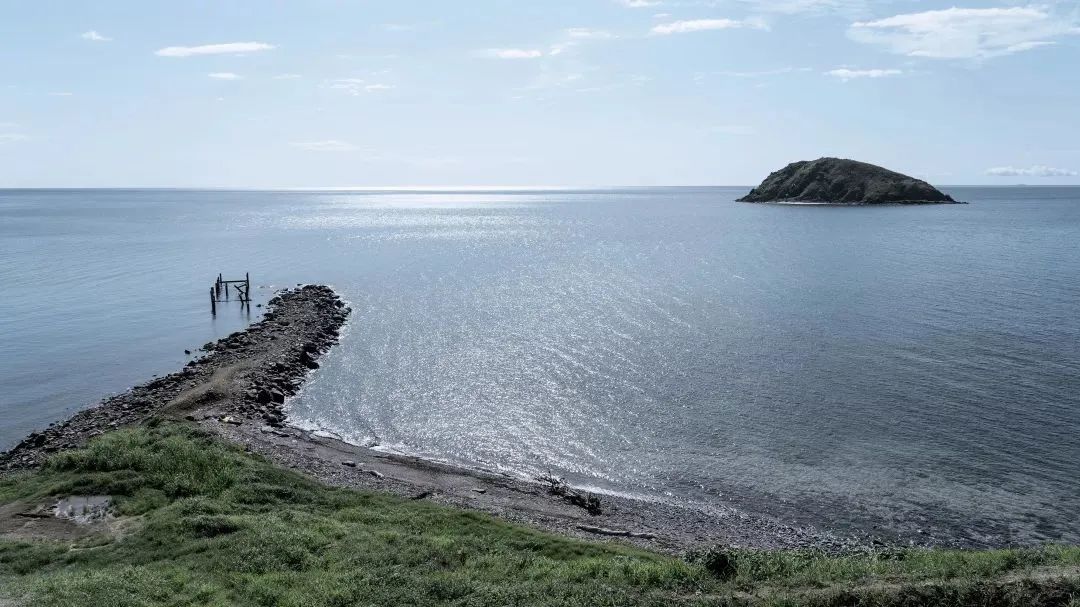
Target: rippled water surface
[(911, 367)]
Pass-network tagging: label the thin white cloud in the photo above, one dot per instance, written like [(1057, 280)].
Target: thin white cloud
[(639, 3), (213, 49), (357, 86), (352, 86), (597, 89), (704, 25), (765, 73), (224, 76), (846, 74), (576, 36), (794, 7), (512, 53), (12, 138), (328, 145), (1032, 171), (587, 33), (966, 33), (94, 36)]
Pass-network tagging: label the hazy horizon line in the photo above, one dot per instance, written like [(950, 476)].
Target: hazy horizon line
[(463, 188)]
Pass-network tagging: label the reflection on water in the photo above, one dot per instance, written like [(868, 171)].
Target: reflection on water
[(915, 367)]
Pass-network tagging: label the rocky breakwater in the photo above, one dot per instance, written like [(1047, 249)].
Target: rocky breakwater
[(243, 377), (842, 181)]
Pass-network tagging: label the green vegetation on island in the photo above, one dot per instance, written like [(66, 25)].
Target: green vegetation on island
[(196, 521)]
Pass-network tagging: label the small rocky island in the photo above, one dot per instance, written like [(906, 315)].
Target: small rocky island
[(841, 181)]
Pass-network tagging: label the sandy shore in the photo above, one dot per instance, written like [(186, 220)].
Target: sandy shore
[(237, 390)]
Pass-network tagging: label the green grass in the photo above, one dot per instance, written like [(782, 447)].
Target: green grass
[(211, 525)]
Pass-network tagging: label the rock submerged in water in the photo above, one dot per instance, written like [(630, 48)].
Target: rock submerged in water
[(841, 181)]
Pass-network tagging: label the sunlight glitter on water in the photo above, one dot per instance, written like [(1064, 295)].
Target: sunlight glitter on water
[(913, 367)]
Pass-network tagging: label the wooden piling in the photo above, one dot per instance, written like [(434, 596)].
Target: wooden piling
[(221, 287)]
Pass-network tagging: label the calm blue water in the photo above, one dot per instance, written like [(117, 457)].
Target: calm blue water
[(911, 367)]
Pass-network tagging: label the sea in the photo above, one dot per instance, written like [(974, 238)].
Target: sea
[(908, 370)]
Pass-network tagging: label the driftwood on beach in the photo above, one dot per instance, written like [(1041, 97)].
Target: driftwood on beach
[(616, 532), (557, 486)]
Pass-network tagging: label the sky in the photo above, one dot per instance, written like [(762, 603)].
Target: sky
[(353, 93)]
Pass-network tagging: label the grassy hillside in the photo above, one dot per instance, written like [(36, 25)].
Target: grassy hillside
[(202, 523)]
